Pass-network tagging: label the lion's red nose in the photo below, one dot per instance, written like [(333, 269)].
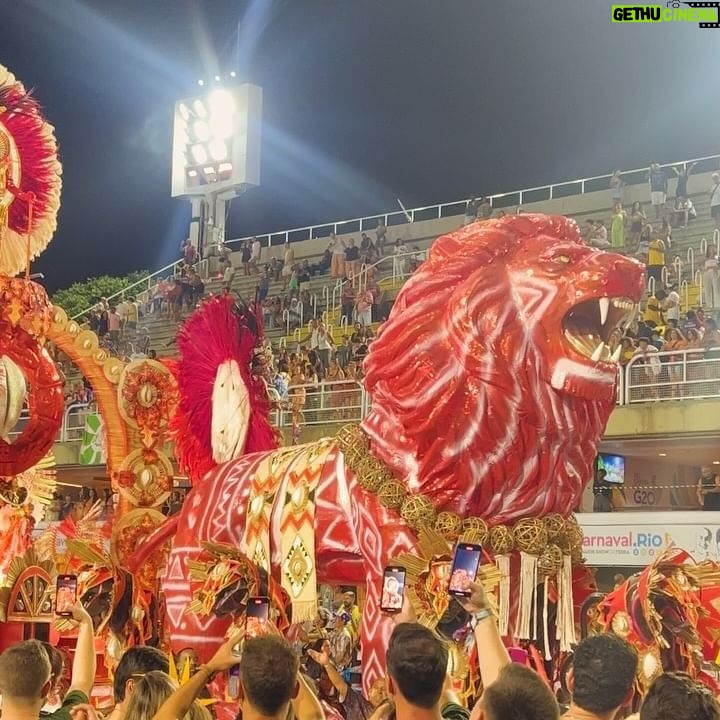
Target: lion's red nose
[(625, 279)]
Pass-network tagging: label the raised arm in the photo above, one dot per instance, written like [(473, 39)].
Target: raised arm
[(84, 662), (492, 654), (178, 704)]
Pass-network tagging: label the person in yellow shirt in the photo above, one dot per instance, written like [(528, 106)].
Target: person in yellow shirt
[(353, 611), (656, 258), (653, 313)]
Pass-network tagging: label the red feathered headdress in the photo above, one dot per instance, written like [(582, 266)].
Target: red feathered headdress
[(29, 176), (219, 331)]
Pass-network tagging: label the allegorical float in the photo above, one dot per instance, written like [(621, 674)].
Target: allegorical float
[(491, 384)]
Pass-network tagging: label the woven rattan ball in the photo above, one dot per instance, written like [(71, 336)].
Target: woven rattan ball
[(448, 524), (530, 535), (418, 511), (475, 530), (501, 540), (371, 474), (353, 442), (555, 526), (391, 494), (550, 561)]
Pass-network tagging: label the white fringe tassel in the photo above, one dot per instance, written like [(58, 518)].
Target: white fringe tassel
[(565, 614), (503, 565), (528, 580)]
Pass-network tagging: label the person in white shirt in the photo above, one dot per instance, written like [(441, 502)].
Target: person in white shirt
[(715, 199), (255, 253), (671, 305), (324, 345)]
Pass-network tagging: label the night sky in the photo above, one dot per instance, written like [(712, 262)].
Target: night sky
[(364, 101)]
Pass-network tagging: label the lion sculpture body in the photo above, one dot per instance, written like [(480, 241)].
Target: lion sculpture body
[(491, 385)]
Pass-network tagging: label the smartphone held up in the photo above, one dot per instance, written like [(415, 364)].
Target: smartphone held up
[(65, 595), (393, 589), (464, 568)]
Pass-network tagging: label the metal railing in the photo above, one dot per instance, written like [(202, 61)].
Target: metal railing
[(567, 188), (689, 374), (73, 422), (322, 403), (692, 373)]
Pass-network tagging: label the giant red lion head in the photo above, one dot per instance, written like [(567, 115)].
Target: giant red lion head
[(491, 381)]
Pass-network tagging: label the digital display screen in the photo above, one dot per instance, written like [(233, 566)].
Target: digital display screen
[(614, 467)]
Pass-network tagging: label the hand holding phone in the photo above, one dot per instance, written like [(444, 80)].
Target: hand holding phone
[(464, 568), (65, 595), (233, 683), (391, 600), (257, 616)]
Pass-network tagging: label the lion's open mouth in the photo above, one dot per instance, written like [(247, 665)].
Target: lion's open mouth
[(589, 324)]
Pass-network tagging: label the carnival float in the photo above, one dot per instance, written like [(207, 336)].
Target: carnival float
[(490, 386)]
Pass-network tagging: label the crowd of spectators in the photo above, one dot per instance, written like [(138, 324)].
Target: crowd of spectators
[(310, 674)]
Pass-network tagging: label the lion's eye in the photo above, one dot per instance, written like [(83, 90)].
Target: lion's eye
[(564, 259)]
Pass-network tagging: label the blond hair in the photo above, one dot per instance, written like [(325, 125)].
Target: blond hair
[(151, 691)]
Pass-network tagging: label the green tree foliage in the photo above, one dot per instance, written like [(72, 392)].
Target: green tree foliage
[(83, 295)]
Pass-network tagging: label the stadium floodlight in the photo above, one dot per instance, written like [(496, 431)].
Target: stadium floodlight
[(216, 142), (199, 108), (218, 150), (199, 154), (201, 130)]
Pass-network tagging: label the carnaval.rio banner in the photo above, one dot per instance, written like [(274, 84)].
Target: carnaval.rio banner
[(636, 539)]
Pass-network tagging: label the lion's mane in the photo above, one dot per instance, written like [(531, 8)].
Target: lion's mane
[(462, 409)]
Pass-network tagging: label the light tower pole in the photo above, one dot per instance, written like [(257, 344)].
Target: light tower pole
[(216, 155)]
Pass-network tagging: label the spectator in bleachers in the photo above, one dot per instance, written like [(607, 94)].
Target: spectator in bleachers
[(263, 286), (245, 257), (637, 220), (649, 364), (683, 174), (653, 310), (400, 260), (600, 235), (643, 247), (378, 302), (188, 252), (344, 352), (352, 259), (711, 340), (293, 286), (711, 279), (113, 325), (288, 264), (656, 259), (617, 228), (364, 306), (255, 255), (683, 212), (616, 188), (675, 340), (347, 301), (484, 209), (381, 236), (337, 262), (365, 243), (324, 345), (715, 199), (471, 211), (228, 274), (658, 188)]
